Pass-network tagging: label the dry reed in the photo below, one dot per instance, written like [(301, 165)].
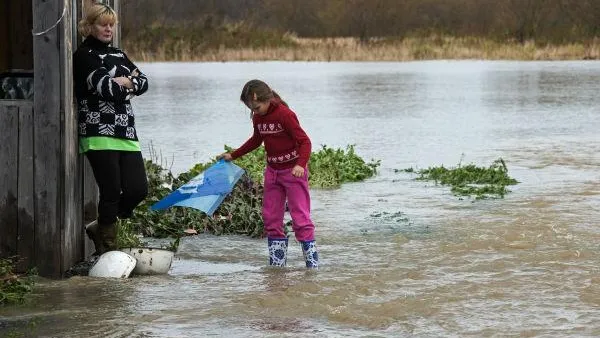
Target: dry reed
[(352, 49)]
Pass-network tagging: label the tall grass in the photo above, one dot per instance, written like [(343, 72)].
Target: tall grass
[(242, 43), (196, 41)]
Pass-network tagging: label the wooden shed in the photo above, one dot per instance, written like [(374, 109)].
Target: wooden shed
[(47, 190)]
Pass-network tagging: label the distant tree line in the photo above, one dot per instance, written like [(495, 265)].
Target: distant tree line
[(555, 21)]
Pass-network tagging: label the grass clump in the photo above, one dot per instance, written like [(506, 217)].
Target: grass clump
[(14, 288), (470, 180), (328, 168)]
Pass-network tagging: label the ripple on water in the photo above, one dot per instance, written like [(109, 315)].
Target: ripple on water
[(431, 264)]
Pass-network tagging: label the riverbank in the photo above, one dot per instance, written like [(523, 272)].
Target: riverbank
[(352, 49)]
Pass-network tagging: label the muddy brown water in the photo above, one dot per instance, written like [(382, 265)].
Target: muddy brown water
[(399, 257)]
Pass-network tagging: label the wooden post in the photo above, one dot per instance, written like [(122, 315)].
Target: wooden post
[(57, 226), (71, 194), (47, 137)]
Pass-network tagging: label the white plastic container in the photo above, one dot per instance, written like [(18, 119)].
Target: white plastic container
[(113, 264), (151, 261)]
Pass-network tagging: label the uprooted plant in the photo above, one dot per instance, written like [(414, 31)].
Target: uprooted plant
[(470, 180)]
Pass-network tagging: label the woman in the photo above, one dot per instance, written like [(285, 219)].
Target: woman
[(105, 82)]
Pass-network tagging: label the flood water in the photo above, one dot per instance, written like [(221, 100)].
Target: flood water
[(399, 257)]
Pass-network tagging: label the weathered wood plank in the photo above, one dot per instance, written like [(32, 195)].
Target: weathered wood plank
[(72, 227), (47, 138), (9, 138), (26, 229)]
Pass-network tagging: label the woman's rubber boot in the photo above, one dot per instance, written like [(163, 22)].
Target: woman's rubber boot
[(108, 235), (311, 256), (277, 252), (92, 232)]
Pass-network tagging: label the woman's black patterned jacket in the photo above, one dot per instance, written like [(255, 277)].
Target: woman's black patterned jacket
[(103, 105)]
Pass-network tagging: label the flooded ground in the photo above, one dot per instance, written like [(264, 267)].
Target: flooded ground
[(399, 257)]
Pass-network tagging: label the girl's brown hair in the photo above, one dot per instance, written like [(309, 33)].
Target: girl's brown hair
[(259, 89), (96, 13)]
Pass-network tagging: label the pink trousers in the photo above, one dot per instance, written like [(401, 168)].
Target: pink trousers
[(279, 185)]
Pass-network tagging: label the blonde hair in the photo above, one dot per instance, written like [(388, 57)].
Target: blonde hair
[(97, 13)]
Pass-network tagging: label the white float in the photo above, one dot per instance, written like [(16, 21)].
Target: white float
[(151, 261), (115, 264)]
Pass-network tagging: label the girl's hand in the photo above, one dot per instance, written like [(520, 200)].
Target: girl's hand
[(298, 171), (225, 156), (123, 82)]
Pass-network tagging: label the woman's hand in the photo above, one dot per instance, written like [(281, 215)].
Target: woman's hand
[(224, 156), (298, 171), (123, 82)]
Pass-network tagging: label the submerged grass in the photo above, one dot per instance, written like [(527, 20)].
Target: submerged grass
[(470, 180)]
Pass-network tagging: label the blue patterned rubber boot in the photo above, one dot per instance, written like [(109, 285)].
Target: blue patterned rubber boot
[(311, 256), (277, 252)]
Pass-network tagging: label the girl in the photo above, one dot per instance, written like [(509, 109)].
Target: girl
[(286, 177), (105, 80)]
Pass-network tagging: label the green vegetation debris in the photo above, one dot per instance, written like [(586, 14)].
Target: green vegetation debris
[(470, 180), (14, 288), (241, 212)]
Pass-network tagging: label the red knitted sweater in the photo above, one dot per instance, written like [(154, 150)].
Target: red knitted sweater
[(286, 143)]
